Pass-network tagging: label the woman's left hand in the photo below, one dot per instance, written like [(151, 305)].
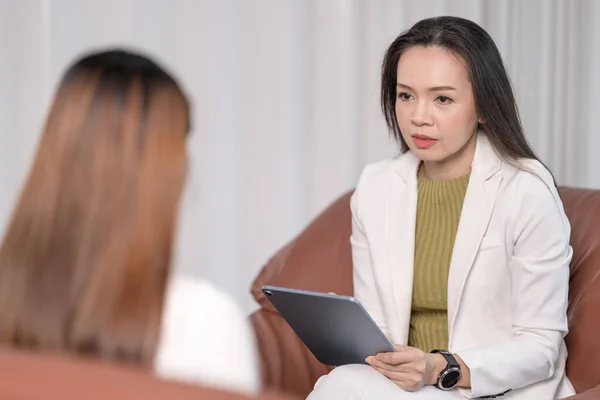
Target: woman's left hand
[(409, 368)]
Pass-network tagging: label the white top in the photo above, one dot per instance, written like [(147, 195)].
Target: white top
[(205, 339)]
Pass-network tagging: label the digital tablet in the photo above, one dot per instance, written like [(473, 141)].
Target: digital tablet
[(335, 328)]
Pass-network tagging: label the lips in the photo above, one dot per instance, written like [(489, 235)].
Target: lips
[(423, 141), (423, 137)]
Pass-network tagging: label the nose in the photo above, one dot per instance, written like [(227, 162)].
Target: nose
[(421, 114)]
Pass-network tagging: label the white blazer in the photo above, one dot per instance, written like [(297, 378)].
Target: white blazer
[(509, 274)]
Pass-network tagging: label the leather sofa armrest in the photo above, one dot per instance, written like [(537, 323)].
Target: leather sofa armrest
[(318, 259), (590, 394), (286, 363)]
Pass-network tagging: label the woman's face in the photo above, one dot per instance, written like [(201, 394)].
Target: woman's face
[(435, 107)]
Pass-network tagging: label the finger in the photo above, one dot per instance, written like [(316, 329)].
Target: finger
[(401, 347), (372, 361), (399, 357), (407, 382), (390, 375), (403, 368)]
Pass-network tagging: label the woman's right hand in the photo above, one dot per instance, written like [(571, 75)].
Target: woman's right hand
[(408, 367)]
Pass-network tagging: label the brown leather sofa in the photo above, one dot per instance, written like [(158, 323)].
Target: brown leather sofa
[(51, 377), (319, 259)]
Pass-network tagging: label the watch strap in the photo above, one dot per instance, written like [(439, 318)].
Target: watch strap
[(450, 359), (451, 364)]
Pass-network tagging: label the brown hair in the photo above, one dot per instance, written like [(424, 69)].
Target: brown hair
[(85, 259)]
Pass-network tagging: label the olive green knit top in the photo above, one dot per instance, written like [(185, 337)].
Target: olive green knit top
[(439, 207)]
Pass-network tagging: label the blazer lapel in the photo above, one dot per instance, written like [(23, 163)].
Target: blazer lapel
[(476, 212), (401, 242)]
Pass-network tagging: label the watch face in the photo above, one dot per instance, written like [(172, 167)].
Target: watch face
[(450, 379)]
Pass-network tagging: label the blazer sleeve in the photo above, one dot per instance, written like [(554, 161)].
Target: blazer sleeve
[(539, 281), (365, 288)]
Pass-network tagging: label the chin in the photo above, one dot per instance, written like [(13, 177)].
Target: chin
[(426, 154)]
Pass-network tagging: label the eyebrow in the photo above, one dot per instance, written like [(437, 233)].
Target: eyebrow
[(431, 89)]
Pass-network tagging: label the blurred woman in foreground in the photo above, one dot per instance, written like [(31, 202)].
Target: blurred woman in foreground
[(85, 266)]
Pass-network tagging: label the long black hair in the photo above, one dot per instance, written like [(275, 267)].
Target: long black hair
[(492, 89)]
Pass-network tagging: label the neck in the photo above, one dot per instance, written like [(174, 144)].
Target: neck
[(453, 167)]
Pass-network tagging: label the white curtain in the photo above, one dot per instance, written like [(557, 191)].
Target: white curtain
[(285, 96)]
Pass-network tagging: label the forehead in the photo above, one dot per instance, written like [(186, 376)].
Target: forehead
[(424, 67)]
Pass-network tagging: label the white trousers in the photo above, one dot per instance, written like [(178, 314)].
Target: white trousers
[(363, 382)]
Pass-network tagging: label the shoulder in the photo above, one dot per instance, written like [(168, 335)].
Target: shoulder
[(376, 177), (196, 312), (189, 287), (530, 180), (373, 180), (202, 330), (187, 294), (379, 171), (531, 192)]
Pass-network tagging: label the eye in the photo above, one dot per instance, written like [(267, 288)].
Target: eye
[(403, 96), (444, 100)]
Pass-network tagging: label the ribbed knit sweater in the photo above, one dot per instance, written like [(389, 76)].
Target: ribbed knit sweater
[(439, 207)]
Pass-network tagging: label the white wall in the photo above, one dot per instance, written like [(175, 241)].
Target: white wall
[(285, 98), (589, 63)]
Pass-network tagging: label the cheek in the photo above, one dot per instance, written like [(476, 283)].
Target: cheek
[(403, 115), (456, 127)]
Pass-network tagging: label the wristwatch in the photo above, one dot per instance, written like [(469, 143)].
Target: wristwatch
[(450, 376)]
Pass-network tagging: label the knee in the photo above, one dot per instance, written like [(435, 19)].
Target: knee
[(346, 381), (351, 373)]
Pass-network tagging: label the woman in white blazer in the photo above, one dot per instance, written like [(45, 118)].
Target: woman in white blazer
[(449, 104)]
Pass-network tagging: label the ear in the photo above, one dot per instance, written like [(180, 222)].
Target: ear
[(481, 120)]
